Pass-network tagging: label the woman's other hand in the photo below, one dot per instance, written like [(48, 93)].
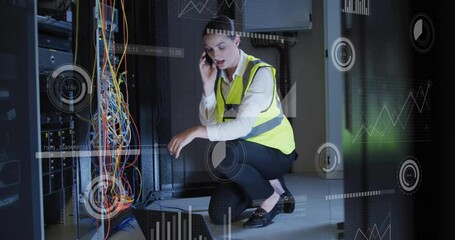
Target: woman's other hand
[(179, 141)]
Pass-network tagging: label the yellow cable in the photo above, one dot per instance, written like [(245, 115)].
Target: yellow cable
[(140, 180), (107, 53), (116, 82), (125, 44)]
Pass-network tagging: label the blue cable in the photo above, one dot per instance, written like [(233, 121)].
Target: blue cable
[(124, 224), (162, 206)]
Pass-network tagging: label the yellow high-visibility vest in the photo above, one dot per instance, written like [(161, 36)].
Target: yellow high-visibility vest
[(271, 128)]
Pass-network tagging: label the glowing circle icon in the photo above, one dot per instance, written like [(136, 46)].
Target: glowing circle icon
[(327, 159), (225, 161), (422, 33), (409, 175), (100, 202), (69, 88), (343, 54)]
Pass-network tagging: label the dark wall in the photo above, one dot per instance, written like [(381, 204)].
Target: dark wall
[(442, 150), (396, 109)]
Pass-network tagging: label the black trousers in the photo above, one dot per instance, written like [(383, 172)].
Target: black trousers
[(244, 176)]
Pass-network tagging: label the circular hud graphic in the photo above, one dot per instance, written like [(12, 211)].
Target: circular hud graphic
[(343, 54), (327, 159), (102, 197), (409, 175), (422, 33), (225, 161), (69, 88)]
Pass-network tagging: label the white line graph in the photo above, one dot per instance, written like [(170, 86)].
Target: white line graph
[(396, 118), (382, 233), (207, 6)]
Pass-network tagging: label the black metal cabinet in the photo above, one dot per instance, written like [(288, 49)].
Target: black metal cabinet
[(20, 200)]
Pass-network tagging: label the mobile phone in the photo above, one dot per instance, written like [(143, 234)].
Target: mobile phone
[(208, 59)]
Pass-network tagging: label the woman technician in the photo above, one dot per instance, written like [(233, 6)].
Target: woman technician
[(240, 105)]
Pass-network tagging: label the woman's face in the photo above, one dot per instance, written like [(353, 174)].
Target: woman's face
[(222, 50)]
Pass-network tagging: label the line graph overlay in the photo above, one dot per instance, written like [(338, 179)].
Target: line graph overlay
[(203, 9), (383, 232), (370, 220), (394, 111)]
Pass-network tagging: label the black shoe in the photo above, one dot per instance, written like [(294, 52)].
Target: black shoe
[(288, 202), (261, 218)]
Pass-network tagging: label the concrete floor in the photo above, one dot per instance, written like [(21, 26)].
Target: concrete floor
[(314, 216)]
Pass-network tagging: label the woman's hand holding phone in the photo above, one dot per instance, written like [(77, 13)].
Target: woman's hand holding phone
[(208, 71)]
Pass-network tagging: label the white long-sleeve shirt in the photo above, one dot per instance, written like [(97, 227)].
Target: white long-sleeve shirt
[(258, 98)]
